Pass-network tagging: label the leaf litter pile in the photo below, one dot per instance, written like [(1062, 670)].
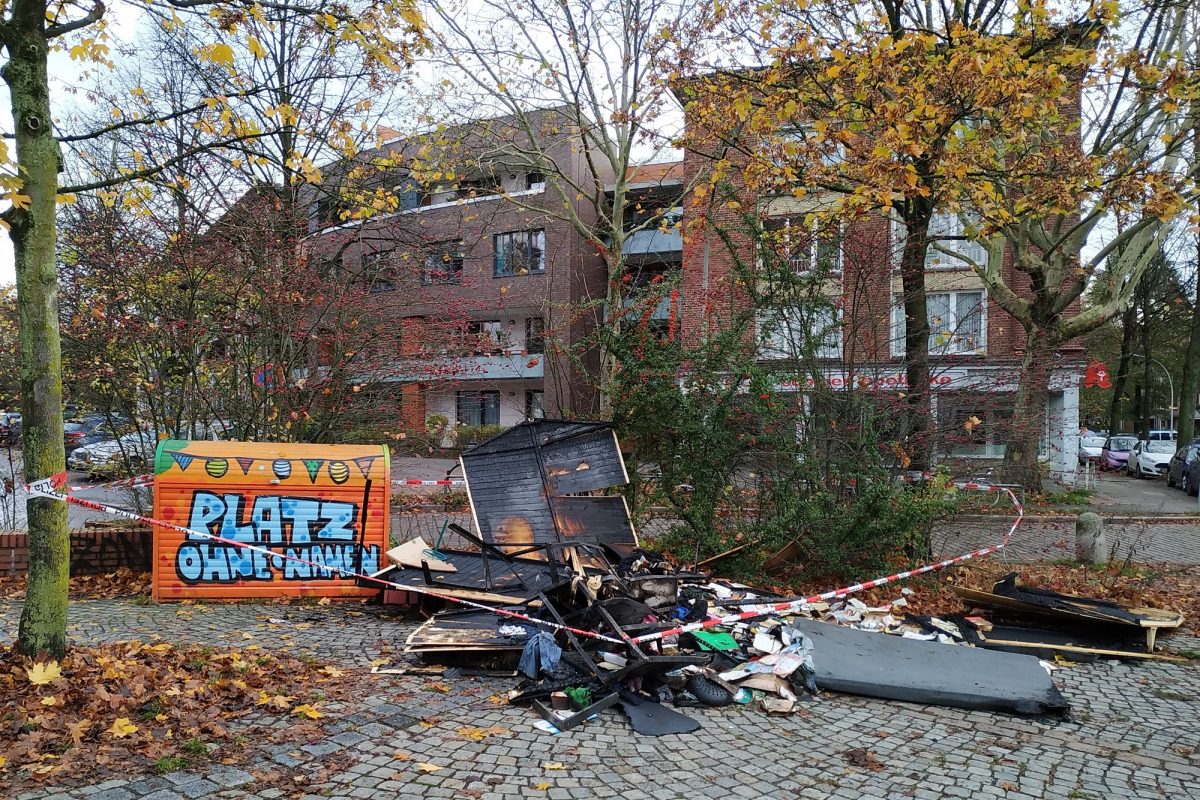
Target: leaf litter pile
[(119, 583), (134, 708)]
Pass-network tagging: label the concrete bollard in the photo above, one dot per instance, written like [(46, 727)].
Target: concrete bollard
[(1089, 538)]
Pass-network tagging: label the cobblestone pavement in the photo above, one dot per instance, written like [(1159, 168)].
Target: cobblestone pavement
[(1133, 734), (1043, 540)]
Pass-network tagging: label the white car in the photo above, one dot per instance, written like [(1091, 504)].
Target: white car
[(107, 458), (1150, 459), (1090, 447)]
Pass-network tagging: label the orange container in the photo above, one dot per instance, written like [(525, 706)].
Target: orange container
[(323, 504)]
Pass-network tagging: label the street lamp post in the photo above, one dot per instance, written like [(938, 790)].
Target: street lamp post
[(1170, 386)]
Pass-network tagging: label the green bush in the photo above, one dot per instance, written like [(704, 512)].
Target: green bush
[(466, 435)]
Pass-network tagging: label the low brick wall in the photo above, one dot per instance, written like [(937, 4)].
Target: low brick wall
[(93, 550)]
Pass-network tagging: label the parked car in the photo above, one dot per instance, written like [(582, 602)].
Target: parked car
[(91, 429), (1149, 459), (1184, 468), (1090, 446), (107, 459), (10, 428), (1115, 451), (1160, 436)]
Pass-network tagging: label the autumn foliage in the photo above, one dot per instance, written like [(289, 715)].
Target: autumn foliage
[(134, 707)]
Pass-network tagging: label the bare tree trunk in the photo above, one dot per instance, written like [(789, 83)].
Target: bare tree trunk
[(1145, 421), (1190, 384), (1128, 328), (916, 337), (1029, 411), (43, 629)]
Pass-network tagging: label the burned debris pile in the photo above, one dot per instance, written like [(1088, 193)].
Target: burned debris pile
[(556, 584)]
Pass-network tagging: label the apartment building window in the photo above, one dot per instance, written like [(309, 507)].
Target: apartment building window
[(475, 408), (443, 263), (948, 231), (787, 333), (379, 271), (957, 323), (484, 335), (535, 335), (411, 195), (520, 252), (534, 408), (535, 181), (795, 146), (482, 186), (805, 249)]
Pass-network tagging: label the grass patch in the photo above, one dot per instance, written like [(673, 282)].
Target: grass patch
[(170, 764)]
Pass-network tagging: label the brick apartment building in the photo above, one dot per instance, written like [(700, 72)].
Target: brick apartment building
[(495, 292), (975, 346)]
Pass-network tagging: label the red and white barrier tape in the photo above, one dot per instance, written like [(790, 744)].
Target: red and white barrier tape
[(793, 605), (429, 483), (48, 487)]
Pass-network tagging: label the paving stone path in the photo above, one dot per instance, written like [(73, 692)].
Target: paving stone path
[(1134, 732), (1050, 539)]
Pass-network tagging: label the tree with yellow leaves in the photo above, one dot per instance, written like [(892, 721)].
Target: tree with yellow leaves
[(974, 114), (386, 32)]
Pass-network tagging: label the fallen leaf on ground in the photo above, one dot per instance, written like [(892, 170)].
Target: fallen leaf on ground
[(44, 672), (553, 765), (425, 766), (122, 727), (400, 755), (308, 711), (861, 757)]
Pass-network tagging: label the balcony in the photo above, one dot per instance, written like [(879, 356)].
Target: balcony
[(654, 242), (512, 366)]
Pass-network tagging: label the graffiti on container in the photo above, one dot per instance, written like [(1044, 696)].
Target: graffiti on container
[(300, 529)]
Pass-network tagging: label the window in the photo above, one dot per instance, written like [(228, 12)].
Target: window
[(443, 263), (410, 195), (956, 323), (786, 333), (478, 408), (484, 335), (520, 252), (533, 404), (973, 425), (795, 144), (535, 181), (535, 335), (379, 272), (946, 230), (804, 249), (483, 186)]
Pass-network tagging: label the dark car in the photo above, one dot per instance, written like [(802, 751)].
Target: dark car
[(1184, 469), (91, 429), (10, 428)]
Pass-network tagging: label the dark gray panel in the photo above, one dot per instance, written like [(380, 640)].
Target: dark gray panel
[(895, 668)]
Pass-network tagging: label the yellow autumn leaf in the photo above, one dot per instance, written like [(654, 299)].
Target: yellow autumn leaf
[(541, 787), (425, 766), (43, 672), (219, 53), (256, 48), (333, 672), (3, 761), (304, 709), (122, 727), (18, 200), (65, 199), (553, 765), (51, 700)]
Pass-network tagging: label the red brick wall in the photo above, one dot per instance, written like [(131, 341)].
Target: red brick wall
[(93, 551)]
